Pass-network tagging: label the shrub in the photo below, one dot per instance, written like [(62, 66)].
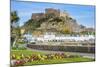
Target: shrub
[(19, 48)]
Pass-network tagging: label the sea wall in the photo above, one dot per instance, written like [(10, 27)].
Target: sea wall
[(84, 49)]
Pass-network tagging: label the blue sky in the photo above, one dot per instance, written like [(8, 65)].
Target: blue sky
[(84, 15)]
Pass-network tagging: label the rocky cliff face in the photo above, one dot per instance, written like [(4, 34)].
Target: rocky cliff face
[(61, 24)]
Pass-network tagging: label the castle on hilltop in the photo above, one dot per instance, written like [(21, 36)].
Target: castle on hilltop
[(56, 22), (49, 11)]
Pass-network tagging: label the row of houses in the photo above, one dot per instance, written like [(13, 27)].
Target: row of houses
[(58, 38)]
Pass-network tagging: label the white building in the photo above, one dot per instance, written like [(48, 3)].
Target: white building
[(52, 37)]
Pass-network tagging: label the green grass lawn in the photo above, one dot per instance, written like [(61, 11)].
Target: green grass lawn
[(26, 52), (30, 52), (49, 61)]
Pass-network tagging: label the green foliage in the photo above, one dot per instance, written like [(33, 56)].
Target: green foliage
[(21, 42), (32, 24), (15, 30), (87, 33), (14, 17), (20, 48)]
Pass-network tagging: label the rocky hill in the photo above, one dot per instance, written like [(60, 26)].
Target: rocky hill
[(53, 20)]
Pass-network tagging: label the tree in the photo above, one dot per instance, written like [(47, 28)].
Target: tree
[(15, 30), (14, 17)]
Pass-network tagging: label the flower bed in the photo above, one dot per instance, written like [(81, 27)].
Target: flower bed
[(21, 59), (33, 58)]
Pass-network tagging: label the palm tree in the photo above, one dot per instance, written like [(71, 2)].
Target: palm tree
[(14, 17), (14, 29)]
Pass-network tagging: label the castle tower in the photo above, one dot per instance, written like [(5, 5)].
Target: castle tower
[(51, 11)]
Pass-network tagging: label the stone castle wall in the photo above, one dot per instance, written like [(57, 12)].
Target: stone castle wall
[(49, 11), (55, 12), (37, 15)]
